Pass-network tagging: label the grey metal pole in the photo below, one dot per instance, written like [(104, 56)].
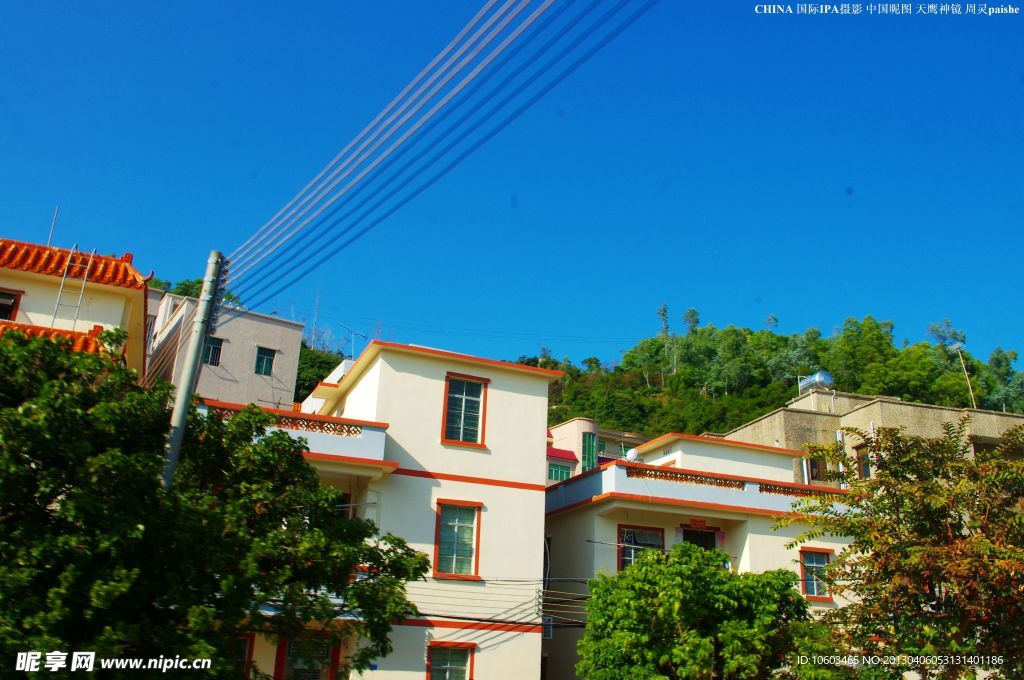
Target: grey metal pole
[(183, 395)]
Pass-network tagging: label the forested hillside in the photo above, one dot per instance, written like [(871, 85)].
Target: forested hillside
[(714, 379)]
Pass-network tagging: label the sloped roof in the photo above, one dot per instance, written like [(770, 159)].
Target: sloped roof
[(38, 259), (564, 454), (80, 342)]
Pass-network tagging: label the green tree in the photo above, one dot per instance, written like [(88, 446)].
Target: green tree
[(194, 287), (159, 284), (314, 364), (97, 556), (936, 562), (682, 615)]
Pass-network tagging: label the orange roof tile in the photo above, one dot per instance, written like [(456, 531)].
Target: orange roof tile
[(31, 257), (80, 342)]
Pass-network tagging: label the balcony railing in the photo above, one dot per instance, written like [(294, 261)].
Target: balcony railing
[(339, 439), (630, 481)]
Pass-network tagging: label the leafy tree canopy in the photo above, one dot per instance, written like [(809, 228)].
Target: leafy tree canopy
[(936, 565), (682, 615), (97, 557), (715, 379), (314, 364)]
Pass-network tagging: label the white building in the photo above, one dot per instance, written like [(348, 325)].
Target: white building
[(56, 292), (447, 451), (681, 488)]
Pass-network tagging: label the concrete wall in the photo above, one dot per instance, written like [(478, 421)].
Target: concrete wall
[(103, 305), (725, 459), (234, 379)]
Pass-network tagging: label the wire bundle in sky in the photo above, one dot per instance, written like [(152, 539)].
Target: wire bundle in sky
[(504, 60)]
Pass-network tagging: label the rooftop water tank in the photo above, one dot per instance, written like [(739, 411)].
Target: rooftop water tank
[(821, 379)]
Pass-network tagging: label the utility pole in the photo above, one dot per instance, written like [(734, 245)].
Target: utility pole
[(208, 300)]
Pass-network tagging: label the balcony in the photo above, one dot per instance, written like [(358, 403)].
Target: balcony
[(336, 445), (667, 486)]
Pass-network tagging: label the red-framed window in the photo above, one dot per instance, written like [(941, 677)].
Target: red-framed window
[(813, 562), (10, 300), (633, 540), (457, 539), (322, 664), (246, 644), (450, 660), (464, 417)]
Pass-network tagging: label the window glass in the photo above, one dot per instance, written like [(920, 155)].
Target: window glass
[(7, 304), (864, 465), (264, 361), (817, 469), (634, 541), (462, 420), (814, 572), (211, 351), (313, 665), (448, 663), (558, 472), (589, 451), (457, 540)]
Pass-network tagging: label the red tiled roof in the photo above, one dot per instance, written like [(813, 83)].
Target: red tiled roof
[(31, 257), (564, 454), (80, 342)]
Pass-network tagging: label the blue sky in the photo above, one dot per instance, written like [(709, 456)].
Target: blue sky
[(814, 168)]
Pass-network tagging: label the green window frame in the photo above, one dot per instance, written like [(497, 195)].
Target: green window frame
[(211, 351), (456, 549), (589, 451), (559, 473), (264, 361)]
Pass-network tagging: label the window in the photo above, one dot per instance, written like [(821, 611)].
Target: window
[(812, 574), (634, 540), (211, 353), (816, 469), (589, 451), (450, 660), (265, 361), (701, 538), (309, 661), (9, 300), (465, 403), (864, 465), (457, 539), (558, 473), (602, 447)]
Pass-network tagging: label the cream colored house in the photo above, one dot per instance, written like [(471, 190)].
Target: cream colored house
[(580, 444), (56, 292), (817, 416), (445, 450), (248, 358), (681, 488)]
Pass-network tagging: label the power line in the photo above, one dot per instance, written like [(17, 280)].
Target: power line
[(441, 115), (433, 110), (486, 137), (248, 244)]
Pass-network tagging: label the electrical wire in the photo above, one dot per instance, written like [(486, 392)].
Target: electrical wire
[(246, 246), (431, 124), (433, 110), (504, 123)]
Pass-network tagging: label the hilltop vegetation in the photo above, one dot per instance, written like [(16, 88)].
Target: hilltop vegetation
[(714, 379)]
